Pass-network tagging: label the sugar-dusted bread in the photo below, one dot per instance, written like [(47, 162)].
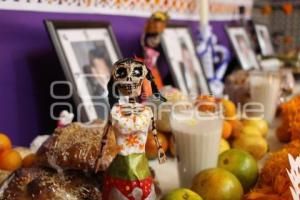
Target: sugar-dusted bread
[(15, 186), (39, 183), (77, 146)]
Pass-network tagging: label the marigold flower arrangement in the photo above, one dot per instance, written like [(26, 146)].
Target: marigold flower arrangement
[(274, 182), (290, 115)]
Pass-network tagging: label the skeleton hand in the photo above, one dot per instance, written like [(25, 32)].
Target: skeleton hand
[(160, 152), (102, 165), (162, 158)]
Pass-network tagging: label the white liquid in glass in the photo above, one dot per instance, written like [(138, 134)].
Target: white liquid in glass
[(265, 90), (197, 146)]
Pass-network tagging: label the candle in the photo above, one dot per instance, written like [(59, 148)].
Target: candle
[(204, 12)]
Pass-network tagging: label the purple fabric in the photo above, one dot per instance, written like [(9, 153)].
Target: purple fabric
[(28, 65)]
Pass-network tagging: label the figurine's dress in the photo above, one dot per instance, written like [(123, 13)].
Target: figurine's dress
[(129, 177)]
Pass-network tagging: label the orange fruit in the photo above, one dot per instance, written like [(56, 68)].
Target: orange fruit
[(217, 183), (229, 109), (259, 123), (10, 160), (223, 146), (151, 148), (227, 130), (5, 143), (29, 160), (206, 103), (236, 127), (242, 164)]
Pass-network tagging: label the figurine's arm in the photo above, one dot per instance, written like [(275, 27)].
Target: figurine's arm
[(160, 152), (102, 163)]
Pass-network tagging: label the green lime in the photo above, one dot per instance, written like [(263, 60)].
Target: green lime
[(242, 165), (182, 194), (217, 184)]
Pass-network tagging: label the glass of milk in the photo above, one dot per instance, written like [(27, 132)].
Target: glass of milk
[(265, 90), (197, 137)]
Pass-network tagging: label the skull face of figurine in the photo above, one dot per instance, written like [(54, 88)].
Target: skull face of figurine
[(128, 75)]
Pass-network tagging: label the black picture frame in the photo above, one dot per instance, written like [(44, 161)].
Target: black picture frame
[(91, 46), (254, 64), (178, 79)]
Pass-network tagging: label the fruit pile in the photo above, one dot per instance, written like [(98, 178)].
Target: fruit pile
[(10, 159), (246, 134), (237, 172), (290, 115)]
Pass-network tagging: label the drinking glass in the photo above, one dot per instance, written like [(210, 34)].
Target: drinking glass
[(197, 138), (265, 90)]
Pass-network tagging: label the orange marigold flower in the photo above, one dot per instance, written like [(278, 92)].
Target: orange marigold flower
[(290, 114), (274, 182)]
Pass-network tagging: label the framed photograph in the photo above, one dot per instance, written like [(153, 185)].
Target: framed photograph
[(242, 46), (264, 39), (87, 51), (186, 69)]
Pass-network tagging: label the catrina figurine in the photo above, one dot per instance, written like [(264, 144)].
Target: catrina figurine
[(128, 176), (150, 42)]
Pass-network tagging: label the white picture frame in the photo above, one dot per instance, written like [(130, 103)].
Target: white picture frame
[(185, 66), (264, 39), (243, 48)]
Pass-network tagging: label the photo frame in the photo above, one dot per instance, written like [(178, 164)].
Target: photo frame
[(264, 39), (242, 46), (86, 51), (180, 52)]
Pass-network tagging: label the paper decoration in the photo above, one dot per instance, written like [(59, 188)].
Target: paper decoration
[(177, 9), (266, 10), (180, 9), (215, 59), (287, 8), (229, 9)]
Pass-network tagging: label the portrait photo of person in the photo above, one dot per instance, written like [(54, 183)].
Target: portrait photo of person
[(95, 64), (242, 46), (97, 68), (87, 51), (184, 64), (264, 39), (244, 49), (187, 68)]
